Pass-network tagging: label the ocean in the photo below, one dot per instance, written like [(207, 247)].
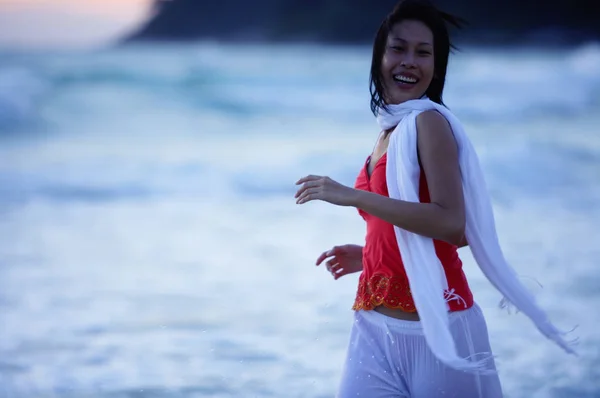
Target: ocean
[(150, 244)]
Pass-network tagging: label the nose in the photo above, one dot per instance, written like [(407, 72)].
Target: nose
[(409, 60)]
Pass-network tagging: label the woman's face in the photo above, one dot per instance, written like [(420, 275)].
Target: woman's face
[(408, 65)]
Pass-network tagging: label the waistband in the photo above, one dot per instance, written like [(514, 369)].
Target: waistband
[(414, 327)]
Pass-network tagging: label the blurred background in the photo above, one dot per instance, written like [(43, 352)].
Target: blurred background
[(150, 245)]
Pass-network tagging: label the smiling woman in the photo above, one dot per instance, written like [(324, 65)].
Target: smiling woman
[(418, 331), (68, 23)]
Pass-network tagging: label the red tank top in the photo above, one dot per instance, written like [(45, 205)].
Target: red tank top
[(383, 280)]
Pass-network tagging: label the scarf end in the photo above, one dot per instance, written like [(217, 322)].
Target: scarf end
[(548, 330), (505, 304), (483, 366), (566, 345)]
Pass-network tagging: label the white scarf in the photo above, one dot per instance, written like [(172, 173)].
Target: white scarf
[(425, 272)]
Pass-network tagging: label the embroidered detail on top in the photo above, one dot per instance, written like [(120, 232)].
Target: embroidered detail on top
[(451, 295), (392, 292)]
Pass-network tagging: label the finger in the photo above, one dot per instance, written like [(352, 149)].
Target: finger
[(307, 178), (312, 184), (340, 272), (331, 252), (299, 192), (305, 186), (310, 177), (323, 256), (308, 195), (333, 267), (336, 250), (307, 198), (333, 261)]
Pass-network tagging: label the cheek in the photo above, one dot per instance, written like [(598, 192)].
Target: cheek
[(428, 71), (386, 63)]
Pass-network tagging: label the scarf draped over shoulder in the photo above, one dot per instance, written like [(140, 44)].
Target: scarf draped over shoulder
[(425, 272)]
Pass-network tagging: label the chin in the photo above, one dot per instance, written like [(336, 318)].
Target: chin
[(403, 98)]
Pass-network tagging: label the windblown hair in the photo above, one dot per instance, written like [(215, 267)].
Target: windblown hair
[(437, 21)]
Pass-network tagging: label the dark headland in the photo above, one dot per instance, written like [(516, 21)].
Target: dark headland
[(502, 22)]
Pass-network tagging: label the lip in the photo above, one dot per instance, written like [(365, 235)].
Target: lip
[(405, 86), (406, 74)]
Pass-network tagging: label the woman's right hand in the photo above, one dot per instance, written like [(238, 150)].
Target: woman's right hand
[(342, 260)]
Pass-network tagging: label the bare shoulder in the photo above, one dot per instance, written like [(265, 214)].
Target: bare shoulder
[(434, 134), (433, 124)]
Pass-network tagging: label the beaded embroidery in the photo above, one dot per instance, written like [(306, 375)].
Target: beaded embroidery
[(392, 292)]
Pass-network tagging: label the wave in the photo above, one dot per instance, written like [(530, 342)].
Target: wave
[(532, 168), (505, 85), (20, 93), (237, 81)]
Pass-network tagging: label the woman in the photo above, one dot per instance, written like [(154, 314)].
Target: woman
[(421, 200)]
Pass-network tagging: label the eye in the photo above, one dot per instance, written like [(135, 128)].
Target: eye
[(397, 48), (424, 52)]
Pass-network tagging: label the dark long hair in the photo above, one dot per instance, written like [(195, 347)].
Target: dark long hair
[(436, 20)]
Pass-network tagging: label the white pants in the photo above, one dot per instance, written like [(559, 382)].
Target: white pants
[(388, 357)]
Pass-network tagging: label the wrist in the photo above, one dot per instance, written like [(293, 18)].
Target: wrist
[(357, 197)]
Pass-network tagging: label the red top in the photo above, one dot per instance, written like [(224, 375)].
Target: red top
[(383, 280)]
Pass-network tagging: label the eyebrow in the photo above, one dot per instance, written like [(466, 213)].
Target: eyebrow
[(423, 43)]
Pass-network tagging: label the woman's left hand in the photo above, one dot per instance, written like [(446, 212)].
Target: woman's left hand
[(325, 189)]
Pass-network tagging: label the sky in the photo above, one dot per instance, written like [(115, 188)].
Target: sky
[(68, 23)]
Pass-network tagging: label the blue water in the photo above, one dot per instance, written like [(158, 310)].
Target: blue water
[(150, 245)]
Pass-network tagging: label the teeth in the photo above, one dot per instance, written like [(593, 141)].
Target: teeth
[(405, 79)]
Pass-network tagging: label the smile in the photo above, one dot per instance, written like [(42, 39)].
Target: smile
[(406, 79)]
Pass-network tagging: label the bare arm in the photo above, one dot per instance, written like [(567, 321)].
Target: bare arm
[(444, 217)]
